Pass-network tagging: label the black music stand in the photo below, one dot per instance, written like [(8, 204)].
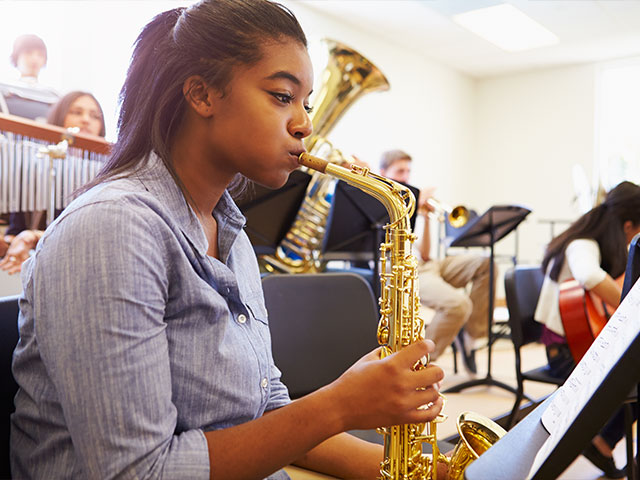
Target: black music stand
[(514, 455), (355, 227), (270, 213), (485, 231)]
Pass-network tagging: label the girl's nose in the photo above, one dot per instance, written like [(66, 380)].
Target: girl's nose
[(301, 126)]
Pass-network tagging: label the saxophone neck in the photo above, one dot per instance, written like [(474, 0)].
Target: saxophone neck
[(398, 200)]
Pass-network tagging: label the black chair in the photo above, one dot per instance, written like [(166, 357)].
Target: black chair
[(522, 288), (320, 325), (8, 386)]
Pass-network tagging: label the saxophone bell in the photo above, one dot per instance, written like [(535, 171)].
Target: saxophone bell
[(477, 435)]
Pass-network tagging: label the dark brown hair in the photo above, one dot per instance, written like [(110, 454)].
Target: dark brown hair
[(605, 225), (206, 39), (58, 111), (24, 43)]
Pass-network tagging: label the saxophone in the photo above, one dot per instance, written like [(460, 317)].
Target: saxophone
[(399, 326)]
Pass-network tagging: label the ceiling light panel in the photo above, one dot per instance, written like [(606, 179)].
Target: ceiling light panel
[(506, 27)]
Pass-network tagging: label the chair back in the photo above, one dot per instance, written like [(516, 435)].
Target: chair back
[(522, 286), (320, 325), (632, 272), (8, 387)]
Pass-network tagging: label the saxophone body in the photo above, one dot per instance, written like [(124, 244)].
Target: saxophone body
[(399, 326)]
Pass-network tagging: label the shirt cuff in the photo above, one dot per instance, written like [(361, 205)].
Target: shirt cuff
[(188, 456)]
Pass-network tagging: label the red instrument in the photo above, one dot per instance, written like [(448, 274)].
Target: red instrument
[(583, 315)]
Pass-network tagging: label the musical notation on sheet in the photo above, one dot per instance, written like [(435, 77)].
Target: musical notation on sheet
[(614, 340)]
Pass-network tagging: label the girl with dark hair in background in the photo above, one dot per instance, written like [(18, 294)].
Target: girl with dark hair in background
[(75, 110), (593, 251), (78, 109), (144, 350)]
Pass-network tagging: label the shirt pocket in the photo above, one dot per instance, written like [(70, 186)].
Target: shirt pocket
[(256, 307)]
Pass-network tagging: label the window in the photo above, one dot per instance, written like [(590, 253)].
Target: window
[(618, 124)]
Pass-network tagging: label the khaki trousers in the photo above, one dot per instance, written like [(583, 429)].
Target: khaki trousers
[(441, 283)]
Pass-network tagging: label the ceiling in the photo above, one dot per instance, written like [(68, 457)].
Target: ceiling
[(589, 31)]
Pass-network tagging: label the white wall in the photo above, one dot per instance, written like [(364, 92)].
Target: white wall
[(530, 130), (425, 112), (510, 139)]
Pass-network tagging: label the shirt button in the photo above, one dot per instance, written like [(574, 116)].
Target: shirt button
[(242, 318), (264, 382)]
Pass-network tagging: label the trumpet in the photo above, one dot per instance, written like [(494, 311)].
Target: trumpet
[(458, 216)]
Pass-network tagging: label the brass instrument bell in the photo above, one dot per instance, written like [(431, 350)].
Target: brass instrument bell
[(458, 216)]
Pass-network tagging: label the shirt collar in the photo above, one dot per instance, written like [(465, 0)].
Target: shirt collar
[(157, 179)]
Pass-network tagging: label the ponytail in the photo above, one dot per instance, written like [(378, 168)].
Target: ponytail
[(585, 227), (142, 98)]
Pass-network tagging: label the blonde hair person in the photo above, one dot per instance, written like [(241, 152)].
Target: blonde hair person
[(459, 317)]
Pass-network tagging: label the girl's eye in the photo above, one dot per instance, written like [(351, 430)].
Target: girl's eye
[(283, 97), (308, 108)]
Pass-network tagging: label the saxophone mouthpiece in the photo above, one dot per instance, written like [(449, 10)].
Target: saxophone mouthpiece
[(314, 163)]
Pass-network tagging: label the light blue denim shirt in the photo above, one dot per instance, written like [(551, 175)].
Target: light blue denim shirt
[(133, 341)]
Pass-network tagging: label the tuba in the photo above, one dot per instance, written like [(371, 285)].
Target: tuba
[(347, 76), (400, 326)]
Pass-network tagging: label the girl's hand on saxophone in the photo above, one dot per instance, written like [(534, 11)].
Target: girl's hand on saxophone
[(377, 392)]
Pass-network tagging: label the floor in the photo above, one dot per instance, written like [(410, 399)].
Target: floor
[(9, 284)]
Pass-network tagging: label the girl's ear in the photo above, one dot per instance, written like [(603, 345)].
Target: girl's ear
[(198, 95), (630, 230)]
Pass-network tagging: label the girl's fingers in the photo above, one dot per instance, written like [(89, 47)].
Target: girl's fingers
[(409, 355)]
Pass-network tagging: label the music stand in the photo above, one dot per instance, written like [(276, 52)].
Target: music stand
[(515, 455), (270, 213), (355, 227), (485, 231)]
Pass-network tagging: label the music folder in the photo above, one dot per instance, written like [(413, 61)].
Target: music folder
[(356, 221), (491, 226), (270, 213)]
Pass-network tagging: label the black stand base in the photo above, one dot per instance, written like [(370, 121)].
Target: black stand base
[(485, 231)]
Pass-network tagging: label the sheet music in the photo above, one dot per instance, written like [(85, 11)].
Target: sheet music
[(614, 340)]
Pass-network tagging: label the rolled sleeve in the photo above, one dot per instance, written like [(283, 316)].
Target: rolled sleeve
[(106, 347), (583, 259), (279, 393)]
